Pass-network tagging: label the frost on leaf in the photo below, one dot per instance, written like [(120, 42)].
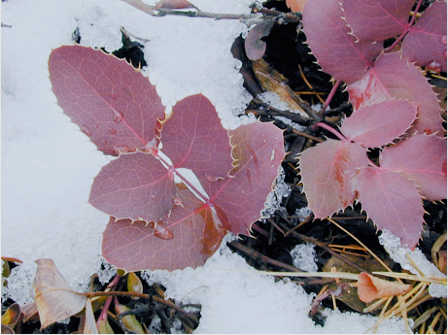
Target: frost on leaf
[(195, 228), (258, 150), (194, 138), (336, 51), (426, 41), (327, 171), (379, 124), (392, 202), (393, 77), (423, 159), (111, 102), (54, 298), (134, 186), (377, 20)]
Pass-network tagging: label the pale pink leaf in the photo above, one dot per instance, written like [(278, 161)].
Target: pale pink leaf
[(392, 202), (258, 150), (393, 77), (327, 170), (173, 4), (110, 101), (197, 233), (335, 49), (379, 124), (194, 138), (134, 186), (423, 159), (426, 41), (377, 20), (54, 298), (371, 288), (253, 44), (296, 5)]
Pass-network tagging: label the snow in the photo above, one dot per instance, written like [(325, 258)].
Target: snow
[(401, 255), (49, 164), (304, 257)]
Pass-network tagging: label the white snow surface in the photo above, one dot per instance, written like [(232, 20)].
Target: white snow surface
[(49, 165)]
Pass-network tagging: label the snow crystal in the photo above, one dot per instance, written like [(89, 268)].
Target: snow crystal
[(105, 271), (275, 197), (304, 257), (303, 213), (20, 283), (400, 254)]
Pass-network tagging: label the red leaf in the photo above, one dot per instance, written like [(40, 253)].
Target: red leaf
[(258, 150), (196, 230), (426, 41), (379, 124), (392, 202), (377, 20), (327, 170), (371, 288), (253, 45), (134, 186), (173, 4), (296, 5), (110, 101), (194, 138), (329, 40), (393, 77), (423, 159)]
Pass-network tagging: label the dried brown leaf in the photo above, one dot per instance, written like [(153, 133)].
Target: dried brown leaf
[(371, 288)]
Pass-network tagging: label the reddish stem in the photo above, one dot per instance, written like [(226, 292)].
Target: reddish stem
[(331, 130), (330, 96), (408, 27), (103, 315), (184, 180)]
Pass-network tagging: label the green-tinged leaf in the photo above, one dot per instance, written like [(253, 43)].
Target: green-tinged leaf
[(11, 316), (129, 321), (134, 283), (104, 327)]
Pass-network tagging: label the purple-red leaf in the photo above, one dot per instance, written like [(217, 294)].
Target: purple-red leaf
[(110, 101), (327, 171), (173, 4), (392, 202), (336, 51), (253, 44), (394, 77), (426, 41), (196, 229), (377, 20), (194, 138), (134, 186), (422, 159), (379, 124), (258, 150)]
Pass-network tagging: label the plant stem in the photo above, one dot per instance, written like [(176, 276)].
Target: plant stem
[(331, 130), (330, 97), (198, 193), (406, 30), (103, 315)]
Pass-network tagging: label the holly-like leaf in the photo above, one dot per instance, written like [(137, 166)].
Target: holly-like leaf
[(253, 44), (111, 102), (194, 138), (393, 77), (196, 233), (258, 150), (327, 170), (336, 50), (377, 20), (423, 159), (371, 288), (134, 186), (379, 124), (53, 296), (426, 41), (392, 202)]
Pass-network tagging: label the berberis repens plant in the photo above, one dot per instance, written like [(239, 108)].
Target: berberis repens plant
[(394, 110), (158, 218)]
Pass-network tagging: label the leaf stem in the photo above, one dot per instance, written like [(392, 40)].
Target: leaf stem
[(406, 30), (331, 130), (330, 97), (103, 315), (193, 188)]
